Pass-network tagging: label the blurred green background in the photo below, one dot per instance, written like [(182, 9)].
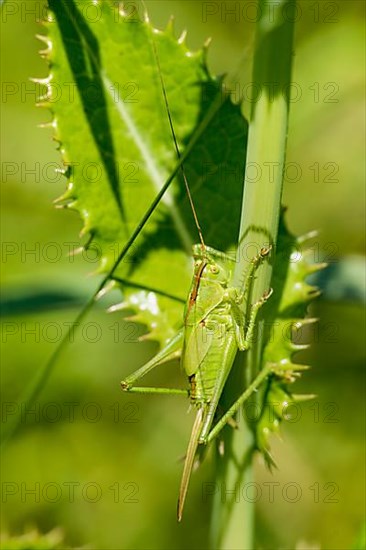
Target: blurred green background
[(108, 472)]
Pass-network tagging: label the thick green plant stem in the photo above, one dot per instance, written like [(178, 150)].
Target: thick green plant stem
[(233, 514)]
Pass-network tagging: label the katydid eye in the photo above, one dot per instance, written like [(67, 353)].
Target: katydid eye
[(214, 269)]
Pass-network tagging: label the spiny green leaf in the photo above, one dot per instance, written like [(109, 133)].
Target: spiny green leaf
[(286, 317), (111, 123)]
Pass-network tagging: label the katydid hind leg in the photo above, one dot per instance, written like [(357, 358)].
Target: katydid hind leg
[(242, 343), (264, 373)]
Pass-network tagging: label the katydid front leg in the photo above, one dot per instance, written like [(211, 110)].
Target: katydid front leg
[(244, 338), (253, 266), (171, 351)]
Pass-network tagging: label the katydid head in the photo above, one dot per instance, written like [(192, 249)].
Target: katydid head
[(213, 264)]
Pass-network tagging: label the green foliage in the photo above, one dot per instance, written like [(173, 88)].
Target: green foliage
[(117, 146), (34, 540), (360, 543), (314, 451), (285, 323)]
